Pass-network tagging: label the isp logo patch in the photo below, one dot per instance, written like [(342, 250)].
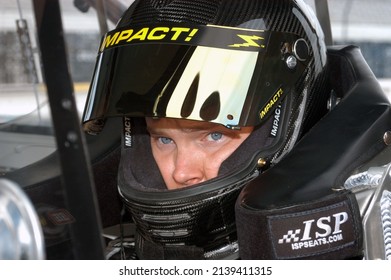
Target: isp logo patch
[(312, 232)]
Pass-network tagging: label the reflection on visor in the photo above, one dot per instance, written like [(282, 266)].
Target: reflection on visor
[(212, 87)]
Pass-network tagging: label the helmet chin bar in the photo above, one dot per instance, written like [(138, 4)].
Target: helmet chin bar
[(200, 226)]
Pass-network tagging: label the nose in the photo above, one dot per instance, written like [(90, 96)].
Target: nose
[(188, 168)]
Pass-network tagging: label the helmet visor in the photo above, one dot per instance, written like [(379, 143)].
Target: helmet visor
[(204, 73)]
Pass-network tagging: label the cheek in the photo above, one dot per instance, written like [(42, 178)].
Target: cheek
[(164, 163), (166, 170), (212, 169), (213, 162)]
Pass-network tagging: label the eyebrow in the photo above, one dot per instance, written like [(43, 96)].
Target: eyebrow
[(194, 127)]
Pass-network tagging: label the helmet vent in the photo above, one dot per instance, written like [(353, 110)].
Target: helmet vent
[(211, 107)]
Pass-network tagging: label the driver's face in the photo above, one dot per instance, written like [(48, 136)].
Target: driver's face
[(190, 152)]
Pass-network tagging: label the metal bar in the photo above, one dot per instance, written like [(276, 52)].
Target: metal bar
[(101, 10), (77, 178), (322, 12)]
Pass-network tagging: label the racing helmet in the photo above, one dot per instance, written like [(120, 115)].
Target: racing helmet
[(258, 63)]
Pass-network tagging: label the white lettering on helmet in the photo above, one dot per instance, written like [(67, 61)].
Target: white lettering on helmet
[(128, 132)]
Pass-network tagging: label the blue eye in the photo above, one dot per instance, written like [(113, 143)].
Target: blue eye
[(165, 140), (216, 136)]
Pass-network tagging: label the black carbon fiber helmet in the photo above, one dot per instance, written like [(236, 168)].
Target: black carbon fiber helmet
[(258, 63)]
